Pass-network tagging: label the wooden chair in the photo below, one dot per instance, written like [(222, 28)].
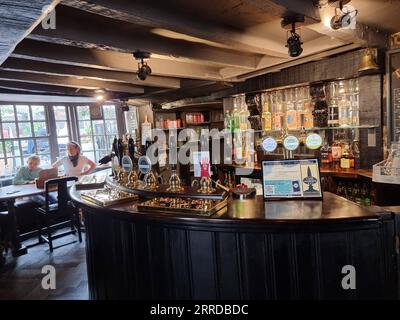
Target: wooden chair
[(50, 213)]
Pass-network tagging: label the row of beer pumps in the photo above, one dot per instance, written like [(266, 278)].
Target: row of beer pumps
[(128, 165)]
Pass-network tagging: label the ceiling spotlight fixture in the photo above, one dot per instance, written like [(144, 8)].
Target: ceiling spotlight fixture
[(293, 41), (143, 69), (344, 15)]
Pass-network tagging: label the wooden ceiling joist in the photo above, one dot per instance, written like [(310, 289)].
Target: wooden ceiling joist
[(139, 13), (75, 27), (109, 60), (70, 82), (18, 18), (44, 89), (22, 65)]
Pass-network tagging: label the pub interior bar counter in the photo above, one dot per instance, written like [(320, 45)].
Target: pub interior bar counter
[(253, 250), (200, 150)]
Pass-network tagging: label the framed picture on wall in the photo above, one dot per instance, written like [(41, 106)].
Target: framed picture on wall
[(96, 112)]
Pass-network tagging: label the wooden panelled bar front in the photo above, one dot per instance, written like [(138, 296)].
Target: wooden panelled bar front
[(254, 250)]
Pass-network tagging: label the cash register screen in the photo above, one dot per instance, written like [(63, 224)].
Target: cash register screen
[(284, 179)]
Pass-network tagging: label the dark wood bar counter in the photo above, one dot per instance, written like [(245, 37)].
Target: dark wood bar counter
[(252, 250)]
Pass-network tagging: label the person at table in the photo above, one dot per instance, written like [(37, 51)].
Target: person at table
[(75, 164), (27, 174)]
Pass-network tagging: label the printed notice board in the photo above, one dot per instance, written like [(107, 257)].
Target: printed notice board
[(294, 179)]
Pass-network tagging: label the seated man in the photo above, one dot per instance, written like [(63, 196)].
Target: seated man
[(28, 174)]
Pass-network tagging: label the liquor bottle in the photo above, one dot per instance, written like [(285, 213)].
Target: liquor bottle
[(351, 158), (326, 154), (235, 120), (340, 189), (336, 153), (355, 106), (307, 109), (227, 120), (366, 199), (349, 191), (279, 113), (243, 116), (266, 115), (333, 109), (344, 112), (355, 149), (345, 162), (291, 113), (357, 194), (320, 113)]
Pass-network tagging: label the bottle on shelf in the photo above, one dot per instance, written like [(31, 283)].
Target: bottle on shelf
[(333, 108), (345, 161), (336, 153), (307, 109), (357, 194), (243, 114), (235, 119), (291, 113), (227, 120), (279, 110), (341, 191), (349, 191), (326, 154), (266, 115)]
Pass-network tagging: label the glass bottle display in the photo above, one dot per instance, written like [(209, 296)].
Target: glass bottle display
[(279, 110), (333, 108), (266, 115), (326, 153), (291, 113)]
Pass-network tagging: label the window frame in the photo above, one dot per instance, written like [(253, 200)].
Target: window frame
[(21, 157), (51, 126)]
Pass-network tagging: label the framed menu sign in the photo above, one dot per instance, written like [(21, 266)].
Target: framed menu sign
[(291, 179)]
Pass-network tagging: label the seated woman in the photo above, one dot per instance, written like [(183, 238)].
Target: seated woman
[(75, 164), (28, 174)]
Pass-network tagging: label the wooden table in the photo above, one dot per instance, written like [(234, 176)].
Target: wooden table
[(9, 194)]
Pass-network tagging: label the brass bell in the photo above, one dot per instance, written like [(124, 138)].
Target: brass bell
[(368, 61)]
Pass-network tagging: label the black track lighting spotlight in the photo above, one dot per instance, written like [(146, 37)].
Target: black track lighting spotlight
[(294, 43), (143, 69)]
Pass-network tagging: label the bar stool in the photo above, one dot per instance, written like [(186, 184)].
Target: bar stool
[(48, 214)]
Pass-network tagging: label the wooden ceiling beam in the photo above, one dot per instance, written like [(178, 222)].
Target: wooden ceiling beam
[(75, 27), (139, 13), (18, 18), (109, 60), (42, 88), (38, 67), (70, 82)]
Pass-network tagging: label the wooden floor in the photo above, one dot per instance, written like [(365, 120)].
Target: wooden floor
[(21, 277)]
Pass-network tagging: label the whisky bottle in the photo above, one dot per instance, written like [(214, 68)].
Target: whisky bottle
[(345, 162), (326, 154), (266, 115), (291, 113), (336, 153)]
